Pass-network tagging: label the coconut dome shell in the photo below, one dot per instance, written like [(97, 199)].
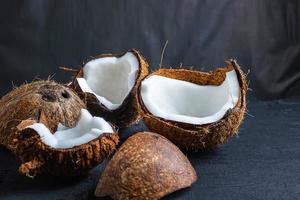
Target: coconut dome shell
[(49, 103), (129, 112), (207, 136), (147, 166)]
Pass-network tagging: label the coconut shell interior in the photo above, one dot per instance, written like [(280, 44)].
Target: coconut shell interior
[(147, 166), (49, 103), (129, 112), (207, 136)]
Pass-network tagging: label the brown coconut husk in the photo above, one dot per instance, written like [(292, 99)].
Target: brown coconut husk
[(50, 103), (200, 137), (129, 112), (148, 167)]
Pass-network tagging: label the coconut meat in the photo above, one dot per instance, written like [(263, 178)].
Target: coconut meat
[(87, 129), (186, 102), (110, 79)]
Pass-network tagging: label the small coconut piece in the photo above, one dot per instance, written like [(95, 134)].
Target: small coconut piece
[(148, 167), (108, 84), (195, 110), (29, 116)]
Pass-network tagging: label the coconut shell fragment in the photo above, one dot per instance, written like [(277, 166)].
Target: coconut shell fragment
[(49, 103), (147, 166), (129, 111), (206, 136)]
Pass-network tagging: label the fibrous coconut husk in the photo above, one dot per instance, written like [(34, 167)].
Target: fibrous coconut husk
[(207, 136), (148, 167), (129, 112), (49, 103)]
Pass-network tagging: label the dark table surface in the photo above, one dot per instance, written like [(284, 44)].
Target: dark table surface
[(262, 162)]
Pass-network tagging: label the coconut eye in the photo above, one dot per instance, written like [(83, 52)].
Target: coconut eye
[(65, 94), (48, 97)]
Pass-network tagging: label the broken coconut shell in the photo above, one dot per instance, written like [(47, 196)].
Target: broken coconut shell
[(147, 166), (205, 136), (49, 103), (129, 110)]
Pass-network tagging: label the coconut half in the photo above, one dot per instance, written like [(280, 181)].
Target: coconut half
[(147, 166), (31, 114), (196, 110), (108, 83)]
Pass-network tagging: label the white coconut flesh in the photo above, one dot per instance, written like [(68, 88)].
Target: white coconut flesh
[(87, 129), (110, 79), (186, 102)]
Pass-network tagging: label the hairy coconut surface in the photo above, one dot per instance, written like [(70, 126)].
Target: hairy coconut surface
[(51, 104), (197, 127), (109, 83), (147, 166)]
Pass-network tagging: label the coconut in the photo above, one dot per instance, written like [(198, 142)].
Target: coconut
[(195, 110), (147, 166), (36, 124), (108, 84)]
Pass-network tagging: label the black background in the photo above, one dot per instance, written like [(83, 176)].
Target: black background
[(37, 37)]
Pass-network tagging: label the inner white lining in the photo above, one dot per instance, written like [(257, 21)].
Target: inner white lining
[(110, 79), (187, 102), (87, 129)]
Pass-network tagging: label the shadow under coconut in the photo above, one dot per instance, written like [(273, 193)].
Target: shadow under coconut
[(13, 185), (125, 133), (176, 195)]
